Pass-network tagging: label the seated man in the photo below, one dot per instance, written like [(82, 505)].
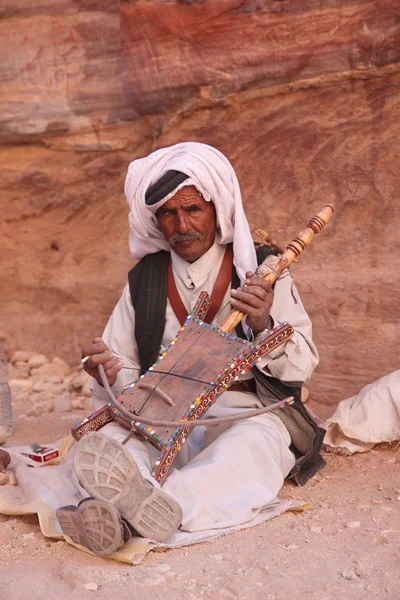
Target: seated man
[(186, 215)]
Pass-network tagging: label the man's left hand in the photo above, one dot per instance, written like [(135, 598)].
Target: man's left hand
[(254, 299)]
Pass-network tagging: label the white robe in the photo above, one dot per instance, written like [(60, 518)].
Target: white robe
[(224, 475)]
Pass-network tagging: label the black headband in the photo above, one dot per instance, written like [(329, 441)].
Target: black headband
[(161, 188)]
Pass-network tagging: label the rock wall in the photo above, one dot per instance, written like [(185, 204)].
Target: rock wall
[(302, 97)]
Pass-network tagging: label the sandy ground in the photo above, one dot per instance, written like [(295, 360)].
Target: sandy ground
[(345, 546)]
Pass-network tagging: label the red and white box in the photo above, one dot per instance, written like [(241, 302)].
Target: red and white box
[(43, 456)]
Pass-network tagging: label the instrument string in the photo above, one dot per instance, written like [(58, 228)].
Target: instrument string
[(222, 309), (172, 375)]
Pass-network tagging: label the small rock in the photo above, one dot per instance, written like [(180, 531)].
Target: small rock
[(62, 365), (21, 356), (55, 379), (68, 378), (42, 384), (86, 391), (20, 384), (161, 568), (383, 539), (19, 370), (79, 403), (38, 360), (218, 557), (353, 524), (315, 529), (350, 575), (359, 570), (154, 580), (291, 547), (52, 370), (62, 403), (242, 570), (40, 408), (225, 593), (78, 380), (93, 587), (364, 507), (45, 397), (192, 585)]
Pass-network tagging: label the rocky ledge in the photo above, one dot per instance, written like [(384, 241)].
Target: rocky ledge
[(45, 385)]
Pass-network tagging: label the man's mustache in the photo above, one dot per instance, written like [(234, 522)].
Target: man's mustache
[(185, 237)]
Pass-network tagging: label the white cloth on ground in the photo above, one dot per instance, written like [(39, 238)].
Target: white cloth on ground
[(369, 418), (41, 491), (214, 178)]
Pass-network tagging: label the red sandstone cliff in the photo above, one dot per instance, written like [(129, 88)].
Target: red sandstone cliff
[(303, 97)]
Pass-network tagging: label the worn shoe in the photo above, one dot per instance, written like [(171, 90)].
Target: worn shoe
[(95, 524), (107, 471)]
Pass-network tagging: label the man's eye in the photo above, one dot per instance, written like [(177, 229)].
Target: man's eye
[(193, 209)]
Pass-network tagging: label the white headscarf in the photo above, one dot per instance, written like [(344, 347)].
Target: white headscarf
[(213, 176)]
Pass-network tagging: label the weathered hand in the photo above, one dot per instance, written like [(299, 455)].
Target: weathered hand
[(101, 355), (254, 299), (4, 460)]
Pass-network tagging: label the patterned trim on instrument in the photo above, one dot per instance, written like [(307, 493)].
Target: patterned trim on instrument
[(94, 422), (224, 379), (201, 307)]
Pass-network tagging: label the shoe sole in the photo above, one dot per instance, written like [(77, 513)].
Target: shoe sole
[(107, 471), (94, 524)]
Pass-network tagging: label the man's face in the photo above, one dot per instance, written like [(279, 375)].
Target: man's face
[(188, 223)]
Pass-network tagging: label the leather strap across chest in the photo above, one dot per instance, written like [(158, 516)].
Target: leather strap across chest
[(221, 285)]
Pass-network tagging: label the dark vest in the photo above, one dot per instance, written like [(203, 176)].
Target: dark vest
[(148, 290)]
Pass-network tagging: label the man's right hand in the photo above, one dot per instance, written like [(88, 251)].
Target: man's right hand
[(101, 355)]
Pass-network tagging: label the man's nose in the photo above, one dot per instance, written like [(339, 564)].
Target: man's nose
[(183, 224)]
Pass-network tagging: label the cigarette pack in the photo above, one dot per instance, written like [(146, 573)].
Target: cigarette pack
[(43, 456)]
